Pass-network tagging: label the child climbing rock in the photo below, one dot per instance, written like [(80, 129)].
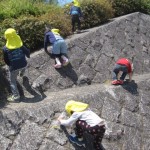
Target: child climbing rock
[(59, 47), (84, 120), (15, 57), (122, 65)]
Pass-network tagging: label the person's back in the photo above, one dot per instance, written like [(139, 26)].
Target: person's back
[(75, 12), (15, 57), (126, 62)]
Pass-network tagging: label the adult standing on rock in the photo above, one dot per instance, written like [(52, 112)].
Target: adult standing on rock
[(15, 57)]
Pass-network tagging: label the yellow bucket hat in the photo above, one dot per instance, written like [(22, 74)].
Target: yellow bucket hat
[(55, 31), (75, 106), (76, 3), (13, 40)]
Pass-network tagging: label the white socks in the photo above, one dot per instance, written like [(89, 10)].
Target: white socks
[(57, 61)]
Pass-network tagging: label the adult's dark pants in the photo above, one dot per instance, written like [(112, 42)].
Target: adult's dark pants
[(75, 20)]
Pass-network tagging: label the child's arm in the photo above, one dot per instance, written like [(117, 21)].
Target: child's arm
[(74, 117), (130, 76), (45, 44), (26, 51)]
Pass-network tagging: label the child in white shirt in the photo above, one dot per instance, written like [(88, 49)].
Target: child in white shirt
[(85, 120)]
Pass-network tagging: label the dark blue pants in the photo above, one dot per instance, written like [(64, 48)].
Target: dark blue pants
[(119, 68), (75, 20)]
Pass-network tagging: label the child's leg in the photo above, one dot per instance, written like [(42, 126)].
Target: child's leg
[(79, 128), (65, 60), (73, 21), (115, 72), (98, 138), (79, 24), (98, 133), (56, 53), (125, 71), (63, 51), (13, 83), (57, 60)]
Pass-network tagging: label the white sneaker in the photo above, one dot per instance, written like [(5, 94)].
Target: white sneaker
[(57, 66), (13, 99)]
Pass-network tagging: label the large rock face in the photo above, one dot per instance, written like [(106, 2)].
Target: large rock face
[(29, 124), (93, 54)]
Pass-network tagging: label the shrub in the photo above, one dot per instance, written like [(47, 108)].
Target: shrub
[(96, 12), (31, 29), (123, 7), (57, 18), (1, 58), (145, 6), (17, 8)]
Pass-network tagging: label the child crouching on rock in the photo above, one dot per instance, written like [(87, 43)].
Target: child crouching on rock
[(84, 120), (59, 47)]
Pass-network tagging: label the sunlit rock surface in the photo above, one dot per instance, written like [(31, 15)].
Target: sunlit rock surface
[(28, 124)]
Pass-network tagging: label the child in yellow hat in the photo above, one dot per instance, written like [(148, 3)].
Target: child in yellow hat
[(15, 57), (59, 47), (85, 120), (76, 14)]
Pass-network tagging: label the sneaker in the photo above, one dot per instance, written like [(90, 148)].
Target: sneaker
[(115, 82), (78, 31), (65, 62), (76, 141), (57, 66), (13, 99), (120, 82)]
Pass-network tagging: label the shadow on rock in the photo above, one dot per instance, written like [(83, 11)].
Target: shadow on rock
[(131, 87), (4, 87), (67, 71), (38, 94)]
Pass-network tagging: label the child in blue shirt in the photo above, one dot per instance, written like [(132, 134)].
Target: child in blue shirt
[(75, 13)]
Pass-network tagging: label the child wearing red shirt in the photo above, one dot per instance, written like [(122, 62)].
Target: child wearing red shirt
[(124, 65)]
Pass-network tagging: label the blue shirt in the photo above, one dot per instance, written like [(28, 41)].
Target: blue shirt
[(75, 11), (16, 58)]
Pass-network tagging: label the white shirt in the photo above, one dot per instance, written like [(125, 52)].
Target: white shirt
[(88, 116)]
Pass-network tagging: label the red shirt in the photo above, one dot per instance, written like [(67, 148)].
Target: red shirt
[(126, 62)]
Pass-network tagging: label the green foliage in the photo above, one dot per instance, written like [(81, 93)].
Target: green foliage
[(95, 12), (123, 7), (16, 8), (58, 19), (31, 29), (145, 6), (1, 58)]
